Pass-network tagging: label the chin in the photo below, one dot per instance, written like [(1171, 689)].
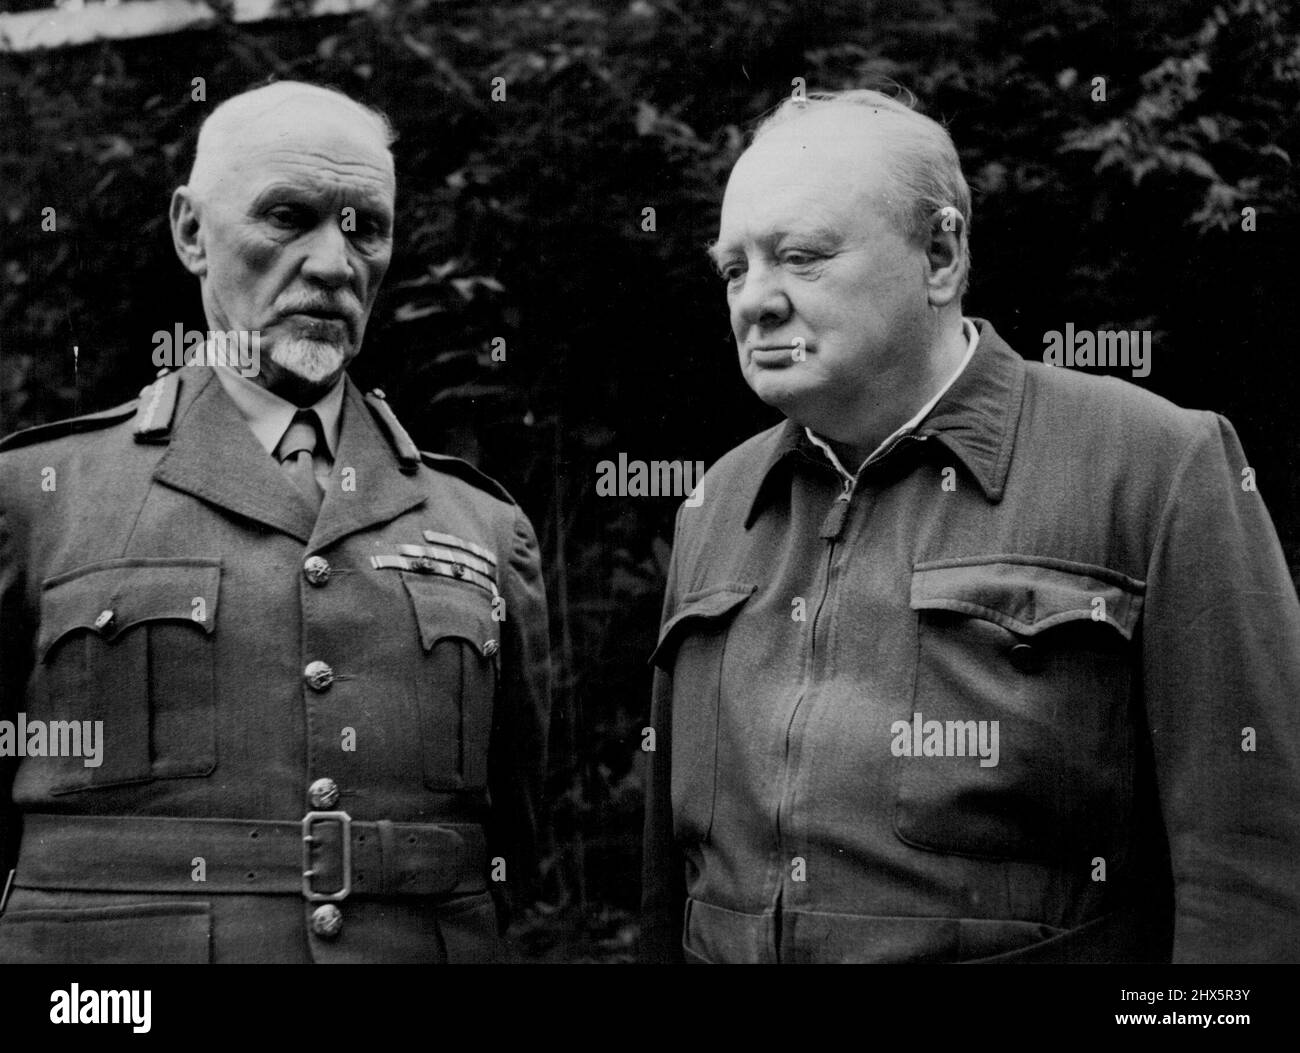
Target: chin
[(312, 361), (780, 391)]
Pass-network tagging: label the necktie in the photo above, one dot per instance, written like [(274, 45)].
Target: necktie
[(296, 452)]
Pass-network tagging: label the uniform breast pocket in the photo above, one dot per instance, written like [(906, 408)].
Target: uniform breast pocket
[(456, 680), (1019, 743), (126, 653), (692, 646)]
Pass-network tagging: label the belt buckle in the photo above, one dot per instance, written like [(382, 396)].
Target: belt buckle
[(308, 821)]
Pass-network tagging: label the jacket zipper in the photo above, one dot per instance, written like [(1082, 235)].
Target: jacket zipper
[(838, 512)]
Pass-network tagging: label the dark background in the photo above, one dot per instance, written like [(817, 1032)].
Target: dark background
[(522, 219)]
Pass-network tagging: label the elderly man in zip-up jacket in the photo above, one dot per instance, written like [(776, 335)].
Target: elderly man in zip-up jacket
[(971, 659)]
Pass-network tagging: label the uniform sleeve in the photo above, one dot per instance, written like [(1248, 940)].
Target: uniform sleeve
[(1221, 673), (521, 722), (663, 879)]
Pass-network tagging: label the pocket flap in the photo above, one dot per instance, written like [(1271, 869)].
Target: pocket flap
[(712, 606), (445, 610), (108, 598), (1028, 595)]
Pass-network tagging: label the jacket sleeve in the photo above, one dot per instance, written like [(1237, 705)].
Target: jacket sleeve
[(1221, 677), (663, 878), (15, 659), (521, 722)]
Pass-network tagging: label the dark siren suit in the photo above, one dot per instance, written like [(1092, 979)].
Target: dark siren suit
[(174, 585), (1102, 581)]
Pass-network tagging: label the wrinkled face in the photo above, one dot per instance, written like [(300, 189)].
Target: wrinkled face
[(297, 237), (827, 296)]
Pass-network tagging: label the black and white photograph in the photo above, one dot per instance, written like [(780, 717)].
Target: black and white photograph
[(650, 483)]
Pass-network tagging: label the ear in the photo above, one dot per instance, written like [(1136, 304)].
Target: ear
[(945, 257), (187, 231)]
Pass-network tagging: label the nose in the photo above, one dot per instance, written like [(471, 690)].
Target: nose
[(760, 301), (327, 260)]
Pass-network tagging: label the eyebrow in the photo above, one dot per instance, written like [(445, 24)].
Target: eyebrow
[(817, 233), (365, 199)]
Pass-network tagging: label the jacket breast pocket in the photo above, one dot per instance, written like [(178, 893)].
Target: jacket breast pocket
[(692, 647), (126, 652), (1020, 742), (456, 680)]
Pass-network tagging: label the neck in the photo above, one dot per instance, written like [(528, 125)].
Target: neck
[(890, 405)]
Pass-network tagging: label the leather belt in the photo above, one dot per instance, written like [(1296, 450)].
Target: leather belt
[(324, 856)]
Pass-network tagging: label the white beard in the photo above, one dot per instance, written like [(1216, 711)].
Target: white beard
[(312, 360)]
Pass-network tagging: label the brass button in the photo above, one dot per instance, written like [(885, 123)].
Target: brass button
[(324, 793), (105, 619), (319, 676), (327, 921), (316, 570), (490, 647), (1025, 657)]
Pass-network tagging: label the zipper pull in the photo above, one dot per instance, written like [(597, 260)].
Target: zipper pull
[(833, 524)]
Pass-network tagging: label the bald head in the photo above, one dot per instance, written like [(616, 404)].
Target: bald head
[(268, 113)]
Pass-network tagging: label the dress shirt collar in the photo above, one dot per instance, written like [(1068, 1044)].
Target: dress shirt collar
[(269, 416), (975, 418), (972, 341)]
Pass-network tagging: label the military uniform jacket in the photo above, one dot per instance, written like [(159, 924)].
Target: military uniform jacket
[(1026, 692), (252, 662)]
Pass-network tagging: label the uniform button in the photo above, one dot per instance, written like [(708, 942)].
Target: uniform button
[(327, 921), (490, 647), (319, 676), (316, 570), (1025, 657), (324, 793), (105, 619)]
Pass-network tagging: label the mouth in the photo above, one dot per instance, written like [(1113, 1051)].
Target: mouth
[(319, 321), (777, 355)]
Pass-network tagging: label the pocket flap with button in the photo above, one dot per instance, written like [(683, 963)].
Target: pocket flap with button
[(1027, 597), (110, 597), (450, 611), (709, 606)]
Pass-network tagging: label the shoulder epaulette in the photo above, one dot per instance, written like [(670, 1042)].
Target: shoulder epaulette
[(57, 429), (408, 454), (156, 408), (441, 462), (411, 456)]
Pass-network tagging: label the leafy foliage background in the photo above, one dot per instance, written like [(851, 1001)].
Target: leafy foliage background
[(521, 219)]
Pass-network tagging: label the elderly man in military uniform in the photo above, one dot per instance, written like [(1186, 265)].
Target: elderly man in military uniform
[(316, 656), (969, 659)]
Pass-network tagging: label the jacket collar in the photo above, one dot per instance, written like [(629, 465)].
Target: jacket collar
[(976, 419), (213, 454)]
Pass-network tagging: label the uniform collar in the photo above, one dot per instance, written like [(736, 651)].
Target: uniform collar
[(976, 419), (270, 416)]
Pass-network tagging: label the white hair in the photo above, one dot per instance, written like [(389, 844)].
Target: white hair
[(922, 160), (221, 130)]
